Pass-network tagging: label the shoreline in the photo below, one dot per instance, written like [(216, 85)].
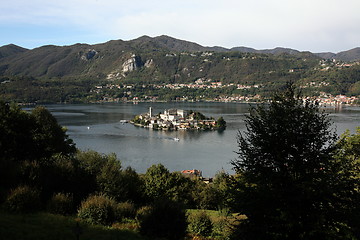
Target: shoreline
[(136, 102)]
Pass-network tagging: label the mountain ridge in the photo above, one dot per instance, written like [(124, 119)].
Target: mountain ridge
[(174, 44), (10, 49)]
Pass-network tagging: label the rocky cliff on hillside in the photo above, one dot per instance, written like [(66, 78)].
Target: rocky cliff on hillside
[(89, 54), (132, 64)]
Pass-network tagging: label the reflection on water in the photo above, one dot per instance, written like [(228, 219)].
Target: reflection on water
[(98, 127)]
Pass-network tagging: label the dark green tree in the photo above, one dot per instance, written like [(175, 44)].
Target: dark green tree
[(348, 174), (16, 126), (221, 123), (28, 142), (215, 195), (108, 176), (197, 115), (30, 136), (157, 181), (205, 195), (11, 119), (49, 136), (222, 183), (160, 184), (288, 185)]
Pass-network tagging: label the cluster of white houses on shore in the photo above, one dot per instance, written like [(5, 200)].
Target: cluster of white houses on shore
[(176, 119)]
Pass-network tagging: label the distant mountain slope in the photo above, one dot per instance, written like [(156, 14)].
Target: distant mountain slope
[(181, 45), (347, 56), (350, 55), (160, 58), (173, 44), (274, 51), (244, 49), (11, 49), (178, 45), (326, 55)]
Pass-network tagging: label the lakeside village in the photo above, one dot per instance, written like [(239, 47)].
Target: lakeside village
[(324, 99), (178, 119)]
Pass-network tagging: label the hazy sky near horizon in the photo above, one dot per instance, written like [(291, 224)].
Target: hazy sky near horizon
[(307, 25)]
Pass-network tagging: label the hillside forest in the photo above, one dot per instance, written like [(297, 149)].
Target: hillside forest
[(167, 69)]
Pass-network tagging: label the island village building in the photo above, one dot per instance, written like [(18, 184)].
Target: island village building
[(174, 119)]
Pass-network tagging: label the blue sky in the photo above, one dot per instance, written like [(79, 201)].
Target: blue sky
[(307, 25)]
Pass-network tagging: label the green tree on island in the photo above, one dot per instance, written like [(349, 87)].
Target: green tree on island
[(291, 184), (221, 123)]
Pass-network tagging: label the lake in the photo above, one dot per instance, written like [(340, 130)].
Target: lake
[(98, 127)]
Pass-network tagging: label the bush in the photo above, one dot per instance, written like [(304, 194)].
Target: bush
[(200, 224), (98, 209), (164, 219), (23, 199), (125, 210), (142, 212), (61, 203), (222, 227)]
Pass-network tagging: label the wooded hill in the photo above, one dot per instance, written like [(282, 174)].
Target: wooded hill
[(70, 70)]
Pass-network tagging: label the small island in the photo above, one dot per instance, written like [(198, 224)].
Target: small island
[(178, 119)]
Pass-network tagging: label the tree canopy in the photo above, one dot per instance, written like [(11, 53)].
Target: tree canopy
[(290, 184), (31, 135), (29, 142)]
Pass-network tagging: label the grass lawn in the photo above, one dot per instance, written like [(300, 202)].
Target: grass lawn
[(45, 226)]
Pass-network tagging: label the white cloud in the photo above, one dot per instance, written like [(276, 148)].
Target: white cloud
[(307, 25)]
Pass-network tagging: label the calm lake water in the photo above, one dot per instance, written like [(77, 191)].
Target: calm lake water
[(98, 127)]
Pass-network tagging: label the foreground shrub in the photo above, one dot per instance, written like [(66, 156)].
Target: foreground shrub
[(164, 219), (200, 224), (61, 203), (142, 212), (222, 227), (127, 224), (98, 209), (23, 199), (125, 210)]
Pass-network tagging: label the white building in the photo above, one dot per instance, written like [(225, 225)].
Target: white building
[(173, 114)]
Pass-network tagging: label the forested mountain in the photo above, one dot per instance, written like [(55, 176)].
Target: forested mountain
[(163, 60), (92, 60)]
